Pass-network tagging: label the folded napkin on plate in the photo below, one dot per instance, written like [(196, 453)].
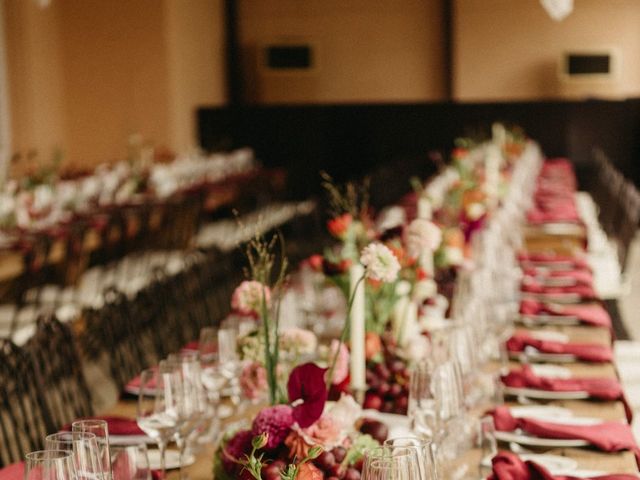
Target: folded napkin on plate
[(592, 314), (598, 388), (508, 466), (580, 276), (531, 285), (117, 425), (576, 262), (589, 352), (15, 471), (607, 436)]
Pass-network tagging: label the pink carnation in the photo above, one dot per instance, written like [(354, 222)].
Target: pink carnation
[(247, 297), (276, 422), (253, 380)]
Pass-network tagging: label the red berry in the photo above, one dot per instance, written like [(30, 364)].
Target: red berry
[(325, 461), (395, 390), (372, 401), (339, 453), (352, 474)]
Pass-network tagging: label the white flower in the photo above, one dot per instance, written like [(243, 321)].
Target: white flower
[(298, 341), (422, 235), (424, 289), (416, 349), (247, 297), (391, 217), (380, 262), (345, 412), (475, 210), (453, 255)]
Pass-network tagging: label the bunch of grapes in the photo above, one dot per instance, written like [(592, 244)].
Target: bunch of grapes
[(388, 383)]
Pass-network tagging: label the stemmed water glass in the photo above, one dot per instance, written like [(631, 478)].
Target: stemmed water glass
[(130, 462), (422, 408), (384, 463), (158, 408), (100, 429), (85, 453), (191, 407), (211, 375), (50, 465), (425, 451)]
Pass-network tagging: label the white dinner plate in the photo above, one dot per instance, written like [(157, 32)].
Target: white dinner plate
[(549, 336), (549, 413), (533, 355), (399, 425), (526, 439), (172, 459), (553, 463), (552, 320), (125, 440), (551, 371), (546, 394)]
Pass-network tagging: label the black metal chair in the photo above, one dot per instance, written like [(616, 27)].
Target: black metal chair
[(24, 420), (58, 370)]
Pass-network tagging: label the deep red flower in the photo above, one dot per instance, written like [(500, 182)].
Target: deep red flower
[(307, 393)]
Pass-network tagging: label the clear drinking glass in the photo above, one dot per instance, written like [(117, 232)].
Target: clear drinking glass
[(422, 409), (425, 451), (384, 463), (85, 453), (49, 465), (157, 407), (130, 462), (100, 429), (487, 443)]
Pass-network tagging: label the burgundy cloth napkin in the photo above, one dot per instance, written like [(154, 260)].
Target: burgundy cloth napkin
[(191, 346), (591, 314), (508, 466), (576, 262), (15, 471), (607, 436), (117, 425), (599, 388), (581, 276), (588, 352), (531, 285)]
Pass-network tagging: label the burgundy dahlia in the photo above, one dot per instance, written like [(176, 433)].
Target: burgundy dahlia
[(276, 422)]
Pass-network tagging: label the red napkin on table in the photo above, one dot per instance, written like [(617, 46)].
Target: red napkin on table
[(607, 436), (508, 466), (531, 285), (15, 471), (191, 346), (599, 388), (589, 352), (576, 262), (117, 425), (579, 275), (592, 314)]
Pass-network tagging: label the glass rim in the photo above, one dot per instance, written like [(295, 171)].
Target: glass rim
[(74, 436), (419, 442), (92, 422), (49, 454)]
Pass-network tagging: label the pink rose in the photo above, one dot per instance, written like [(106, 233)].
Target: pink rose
[(253, 380), (247, 298), (341, 368)]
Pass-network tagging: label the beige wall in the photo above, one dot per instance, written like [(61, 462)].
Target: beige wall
[(35, 79), (369, 50), (509, 49), (85, 75)]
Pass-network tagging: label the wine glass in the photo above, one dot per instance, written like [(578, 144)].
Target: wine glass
[(425, 451), (229, 361), (157, 407), (100, 429), (84, 449), (49, 465), (384, 463), (130, 462), (422, 410), (191, 409)]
